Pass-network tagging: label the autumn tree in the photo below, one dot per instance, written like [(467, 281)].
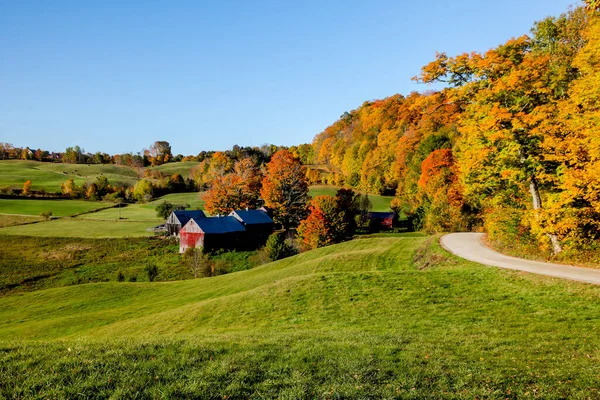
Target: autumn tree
[(284, 189), (235, 190), (70, 189), (143, 190), (325, 225), (159, 153), (27, 188)]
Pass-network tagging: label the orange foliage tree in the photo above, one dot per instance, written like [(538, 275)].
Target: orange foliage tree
[(236, 190), (324, 225), (285, 189)]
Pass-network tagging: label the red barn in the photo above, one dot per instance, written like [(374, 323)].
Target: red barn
[(384, 220), (211, 233)]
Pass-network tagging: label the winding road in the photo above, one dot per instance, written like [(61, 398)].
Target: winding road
[(470, 246)]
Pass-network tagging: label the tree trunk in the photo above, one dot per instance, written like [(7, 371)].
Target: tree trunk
[(537, 204)]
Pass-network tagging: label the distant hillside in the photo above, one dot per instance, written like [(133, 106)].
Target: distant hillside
[(49, 176)]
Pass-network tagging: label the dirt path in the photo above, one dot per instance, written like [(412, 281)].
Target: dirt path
[(471, 247)]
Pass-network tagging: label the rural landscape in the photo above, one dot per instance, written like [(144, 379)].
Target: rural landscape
[(321, 268)]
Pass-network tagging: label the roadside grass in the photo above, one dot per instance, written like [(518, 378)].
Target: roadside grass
[(12, 220), (49, 176), (360, 319), (34, 263), (83, 228), (59, 208), (380, 203)]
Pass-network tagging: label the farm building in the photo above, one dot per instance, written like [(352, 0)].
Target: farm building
[(382, 219), (258, 224), (212, 233), (179, 218)]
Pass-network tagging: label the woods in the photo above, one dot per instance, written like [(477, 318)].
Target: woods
[(509, 145)]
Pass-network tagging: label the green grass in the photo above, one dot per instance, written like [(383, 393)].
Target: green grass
[(368, 318), (59, 208), (49, 176), (82, 228), (12, 220), (183, 168), (192, 198), (380, 203)]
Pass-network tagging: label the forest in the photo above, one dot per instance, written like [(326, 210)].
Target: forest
[(509, 146)]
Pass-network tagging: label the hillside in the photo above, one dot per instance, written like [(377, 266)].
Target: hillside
[(379, 317), (49, 176)]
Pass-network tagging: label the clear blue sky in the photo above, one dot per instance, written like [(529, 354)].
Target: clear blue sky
[(115, 76)]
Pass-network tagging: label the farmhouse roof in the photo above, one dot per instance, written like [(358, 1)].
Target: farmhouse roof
[(216, 225), (183, 216), (382, 215), (251, 217)]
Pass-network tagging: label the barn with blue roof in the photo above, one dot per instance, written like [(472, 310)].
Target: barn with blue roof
[(179, 218), (212, 233), (258, 224)]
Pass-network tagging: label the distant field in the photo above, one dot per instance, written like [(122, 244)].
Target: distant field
[(380, 203), (193, 199), (85, 228), (49, 176), (182, 168), (59, 208)]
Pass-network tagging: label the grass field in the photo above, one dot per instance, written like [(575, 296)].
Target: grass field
[(182, 168), (389, 317), (59, 208), (83, 228), (380, 203), (49, 176), (12, 220)]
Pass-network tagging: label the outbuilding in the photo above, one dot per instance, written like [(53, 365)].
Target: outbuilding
[(179, 218), (258, 224), (383, 220)]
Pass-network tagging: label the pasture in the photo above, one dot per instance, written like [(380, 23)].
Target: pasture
[(393, 317), (59, 207), (380, 203), (50, 176), (83, 228)]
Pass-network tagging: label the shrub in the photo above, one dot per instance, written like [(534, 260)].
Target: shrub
[(152, 271), (277, 247), (164, 209), (120, 276), (46, 215)]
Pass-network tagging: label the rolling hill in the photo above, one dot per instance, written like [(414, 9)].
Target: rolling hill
[(376, 317)]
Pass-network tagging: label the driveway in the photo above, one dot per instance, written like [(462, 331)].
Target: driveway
[(471, 247)]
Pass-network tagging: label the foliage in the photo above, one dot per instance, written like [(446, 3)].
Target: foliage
[(327, 222), (278, 247), (151, 271), (285, 189), (164, 209), (27, 188), (143, 190), (46, 215)]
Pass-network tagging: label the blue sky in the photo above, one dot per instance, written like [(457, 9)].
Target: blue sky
[(207, 75)]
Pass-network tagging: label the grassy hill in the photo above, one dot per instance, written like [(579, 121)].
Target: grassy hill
[(49, 176), (376, 317), (183, 168)]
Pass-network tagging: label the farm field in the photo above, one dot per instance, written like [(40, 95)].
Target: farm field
[(380, 203), (183, 168), (59, 208), (49, 176), (84, 228), (12, 220), (374, 317)]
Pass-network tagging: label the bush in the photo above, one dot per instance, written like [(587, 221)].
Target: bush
[(46, 215), (164, 209), (133, 278), (120, 276), (152, 271), (277, 247)]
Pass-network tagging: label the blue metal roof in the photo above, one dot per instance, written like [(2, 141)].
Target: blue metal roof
[(218, 225), (185, 215), (252, 217), (382, 215)]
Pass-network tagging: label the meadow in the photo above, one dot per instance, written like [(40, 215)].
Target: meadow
[(392, 317), (50, 176), (59, 207), (380, 203)]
